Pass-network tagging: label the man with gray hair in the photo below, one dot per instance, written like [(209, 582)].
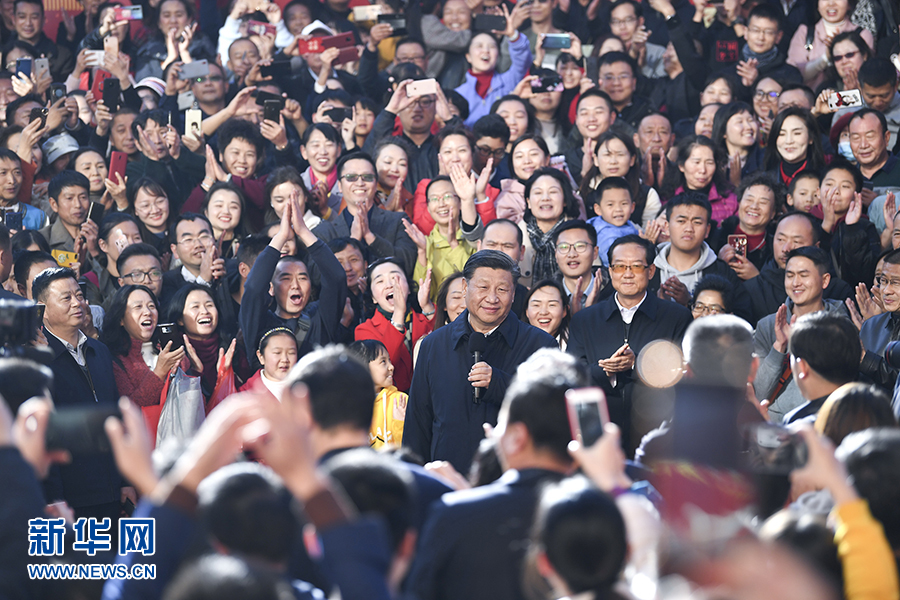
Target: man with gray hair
[(452, 394)]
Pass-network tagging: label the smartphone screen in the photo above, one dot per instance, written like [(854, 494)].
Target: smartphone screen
[(95, 212), (587, 414)]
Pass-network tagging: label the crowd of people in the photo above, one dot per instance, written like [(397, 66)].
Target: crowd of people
[(374, 245)]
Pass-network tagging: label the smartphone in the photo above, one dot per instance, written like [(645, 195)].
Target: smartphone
[(272, 110), (117, 163), (548, 83), (169, 332), (846, 99), (337, 114), (278, 68), (490, 23), (39, 114), (366, 13), (193, 122), (111, 45), (421, 87), (41, 65), (310, 46), (128, 13), (398, 22), (112, 93), (94, 58), (80, 430), (346, 55), (23, 67), (65, 259), (739, 243), (263, 96), (39, 312), (13, 220), (57, 92), (555, 41), (588, 414), (260, 28), (773, 449), (99, 77), (341, 40), (197, 68), (95, 212)]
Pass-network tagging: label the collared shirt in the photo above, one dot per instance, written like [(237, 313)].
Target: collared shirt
[(77, 352), (888, 176), (628, 313), (488, 333), (190, 278), (585, 295)]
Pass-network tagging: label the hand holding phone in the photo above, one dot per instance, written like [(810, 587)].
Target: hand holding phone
[(588, 414), (739, 243)]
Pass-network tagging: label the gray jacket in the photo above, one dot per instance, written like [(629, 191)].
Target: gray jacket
[(691, 276), (771, 363)]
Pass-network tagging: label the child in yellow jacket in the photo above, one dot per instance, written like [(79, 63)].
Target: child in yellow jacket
[(390, 403)]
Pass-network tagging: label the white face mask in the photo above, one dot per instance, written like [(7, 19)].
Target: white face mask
[(845, 151)]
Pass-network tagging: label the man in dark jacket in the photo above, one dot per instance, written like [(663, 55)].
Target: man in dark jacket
[(766, 291), (608, 336), (82, 377), (444, 419), (880, 330), (315, 324), (474, 542)]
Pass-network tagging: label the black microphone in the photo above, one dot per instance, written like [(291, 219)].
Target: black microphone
[(477, 346)]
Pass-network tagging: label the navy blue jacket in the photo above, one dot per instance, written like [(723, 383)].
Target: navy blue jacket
[(256, 318), (442, 420), (20, 501), (474, 542), (90, 479)]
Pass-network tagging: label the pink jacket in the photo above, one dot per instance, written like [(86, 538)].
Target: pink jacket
[(510, 202), (806, 60)]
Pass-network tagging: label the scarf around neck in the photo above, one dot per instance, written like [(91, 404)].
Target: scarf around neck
[(545, 266), (764, 60)]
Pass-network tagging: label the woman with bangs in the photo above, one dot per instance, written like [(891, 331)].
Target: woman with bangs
[(224, 206), (148, 202), (528, 154), (736, 133), (700, 169)]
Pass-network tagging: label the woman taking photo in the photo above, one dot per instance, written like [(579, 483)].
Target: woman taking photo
[(224, 207), (150, 205), (528, 154), (736, 134), (616, 156), (139, 367), (395, 323), (277, 354), (700, 169), (794, 145), (547, 308), (847, 54), (549, 202)]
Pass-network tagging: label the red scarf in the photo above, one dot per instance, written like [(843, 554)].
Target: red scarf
[(330, 180), (482, 82), (787, 179)]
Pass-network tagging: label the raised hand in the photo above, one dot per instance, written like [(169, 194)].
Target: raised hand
[(168, 360), (400, 101), (424, 295), (116, 191), (225, 358), (748, 71), (782, 329), (889, 209), (415, 234), (854, 213)]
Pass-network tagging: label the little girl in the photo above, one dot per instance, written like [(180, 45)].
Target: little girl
[(390, 403)]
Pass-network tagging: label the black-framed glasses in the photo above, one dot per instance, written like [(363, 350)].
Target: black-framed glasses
[(140, 276), (707, 309), (352, 177), (485, 151), (762, 94)]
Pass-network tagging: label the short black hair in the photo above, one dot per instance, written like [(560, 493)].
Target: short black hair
[(21, 380), (109, 222), (492, 126), (13, 106), (571, 204), (815, 254), (520, 237), (491, 259), (7, 154), (355, 156), (378, 486), (647, 245), (341, 391), (43, 280), (804, 174), (766, 179), (536, 397), (720, 349), (157, 115), (638, 10), (5, 244), (445, 178), (226, 577), (188, 216), (576, 224), (247, 509), (331, 134), (790, 86), (863, 112), (716, 283), (612, 183), (459, 101), (770, 12), (877, 72), (251, 247), (240, 129), (829, 343), (340, 244), (814, 223), (689, 198), (839, 163), (141, 249), (67, 179), (618, 57), (26, 260), (367, 350)]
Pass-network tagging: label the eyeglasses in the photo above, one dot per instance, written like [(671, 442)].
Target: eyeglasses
[(139, 276), (212, 78), (447, 198), (620, 78), (840, 57), (424, 102), (762, 94), (203, 238), (485, 151), (765, 32), (707, 309), (626, 21), (352, 177), (580, 247), (637, 269), (884, 283)]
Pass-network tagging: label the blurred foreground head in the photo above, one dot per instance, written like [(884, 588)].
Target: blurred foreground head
[(719, 351)]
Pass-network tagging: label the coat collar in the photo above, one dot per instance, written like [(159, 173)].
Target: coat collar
[(460, 329), (650, 306)]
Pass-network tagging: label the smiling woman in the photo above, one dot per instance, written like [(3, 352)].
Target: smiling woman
[(224, 207)]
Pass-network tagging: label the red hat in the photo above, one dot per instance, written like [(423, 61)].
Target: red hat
[(839, 126)]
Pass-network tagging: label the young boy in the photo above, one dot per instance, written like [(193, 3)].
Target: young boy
[(613, 205), (803, 193)]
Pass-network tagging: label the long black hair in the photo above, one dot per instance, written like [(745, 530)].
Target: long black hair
[(113, 333), (175, 311), (675, 178), (563, 331), (633, 177), (815, 155)]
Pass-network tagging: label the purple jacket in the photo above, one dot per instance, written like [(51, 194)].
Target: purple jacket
[(501, 84)]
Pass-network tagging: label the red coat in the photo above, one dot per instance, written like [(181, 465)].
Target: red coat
[(380, 328), (135, 379), (256, 385)]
